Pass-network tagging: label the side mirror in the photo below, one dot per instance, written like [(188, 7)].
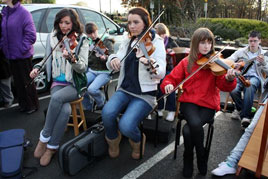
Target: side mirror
[(120, 30)]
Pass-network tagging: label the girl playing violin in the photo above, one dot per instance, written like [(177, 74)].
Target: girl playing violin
[(62, 88), (137, 86), (97, 74), (200, 98)]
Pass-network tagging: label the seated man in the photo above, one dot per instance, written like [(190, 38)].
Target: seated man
[(255, 64), (229, 166)]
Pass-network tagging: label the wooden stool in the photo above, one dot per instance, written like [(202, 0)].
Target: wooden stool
[(75, 116)]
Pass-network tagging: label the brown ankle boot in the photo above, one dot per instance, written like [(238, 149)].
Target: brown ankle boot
[(136, 148), (46, 157), (40, 149), (114, 146)]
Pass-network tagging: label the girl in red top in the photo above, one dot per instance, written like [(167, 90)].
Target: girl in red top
[(200, 98)]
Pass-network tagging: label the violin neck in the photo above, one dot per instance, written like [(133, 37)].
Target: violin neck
[(222, 64)]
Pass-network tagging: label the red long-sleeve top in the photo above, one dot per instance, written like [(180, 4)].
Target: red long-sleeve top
[(202, 89)]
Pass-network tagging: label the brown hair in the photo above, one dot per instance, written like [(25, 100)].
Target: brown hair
[(77, 25), (91, 27), (201, 34), (161, 29), (143, 13)]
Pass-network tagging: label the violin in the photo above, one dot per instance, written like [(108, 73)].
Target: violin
[(146, 49), (70, 43), (220, 66), (138, 43), (100, 49)]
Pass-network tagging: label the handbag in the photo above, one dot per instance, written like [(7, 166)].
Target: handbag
[(80, 79), (80, 82)]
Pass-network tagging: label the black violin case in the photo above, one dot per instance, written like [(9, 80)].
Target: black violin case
[(82, 150)]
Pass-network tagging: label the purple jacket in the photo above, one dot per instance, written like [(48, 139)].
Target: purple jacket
[(18, 32)]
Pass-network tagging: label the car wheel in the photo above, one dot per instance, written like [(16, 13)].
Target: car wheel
[(41, 83)]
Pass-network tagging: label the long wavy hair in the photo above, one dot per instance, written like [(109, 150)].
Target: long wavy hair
[(144, 14), (77, 25), (201, 34)]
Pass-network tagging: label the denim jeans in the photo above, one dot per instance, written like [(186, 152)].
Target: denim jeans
[(237, 151), (59, 110), (134, 110), (244, 105), (95, 80)]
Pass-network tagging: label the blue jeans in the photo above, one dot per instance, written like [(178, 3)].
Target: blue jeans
[(237, 151), (134, 110), (95, 80), (244, 105)]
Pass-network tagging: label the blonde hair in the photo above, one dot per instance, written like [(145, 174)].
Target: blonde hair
[(201, 34), (161, 29)]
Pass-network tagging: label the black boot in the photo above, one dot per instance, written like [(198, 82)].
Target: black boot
[(202, 164), (188, 164)]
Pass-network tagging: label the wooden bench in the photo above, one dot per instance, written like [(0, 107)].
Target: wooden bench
[(255, 158)]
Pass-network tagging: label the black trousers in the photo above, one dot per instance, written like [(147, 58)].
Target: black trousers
[(193, 132), (26, 94)]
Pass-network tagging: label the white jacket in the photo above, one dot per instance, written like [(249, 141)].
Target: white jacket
[(148, 82)]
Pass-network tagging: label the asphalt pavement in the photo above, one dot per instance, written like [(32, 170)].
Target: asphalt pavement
[(158, 162)]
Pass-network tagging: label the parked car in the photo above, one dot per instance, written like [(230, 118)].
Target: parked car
[(44, 15)]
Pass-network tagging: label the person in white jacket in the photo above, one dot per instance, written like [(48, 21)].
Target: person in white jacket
[(136, 94), (255, 62)]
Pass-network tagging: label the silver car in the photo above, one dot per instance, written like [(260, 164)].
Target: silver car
[(44, 15)]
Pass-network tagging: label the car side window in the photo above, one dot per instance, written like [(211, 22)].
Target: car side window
[(37, 15), (91, 16), (50, 18), (112, 27)]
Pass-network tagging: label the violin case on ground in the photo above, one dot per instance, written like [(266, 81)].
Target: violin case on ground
[(12, 146), (164, 132), (82, 150)]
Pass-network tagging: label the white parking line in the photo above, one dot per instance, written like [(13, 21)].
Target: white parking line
[(144, 167), (16, 104)]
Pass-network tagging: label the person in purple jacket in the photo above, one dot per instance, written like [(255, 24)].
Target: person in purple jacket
[(18, 37)]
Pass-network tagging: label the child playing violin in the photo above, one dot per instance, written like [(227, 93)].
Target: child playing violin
[(62, 90), (200, 98), (137, 86), (97, 74)]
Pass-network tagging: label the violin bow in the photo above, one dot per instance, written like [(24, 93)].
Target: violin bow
[(95, 46), (192, 74), (46, 58), (140, 38)]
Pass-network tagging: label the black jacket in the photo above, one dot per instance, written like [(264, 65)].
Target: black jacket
[(95, 63)]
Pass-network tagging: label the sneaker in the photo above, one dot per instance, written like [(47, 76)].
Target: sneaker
[(245, 122), (149, 117), (235, 115), (160, 113), (223, 169), (170, 116)]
